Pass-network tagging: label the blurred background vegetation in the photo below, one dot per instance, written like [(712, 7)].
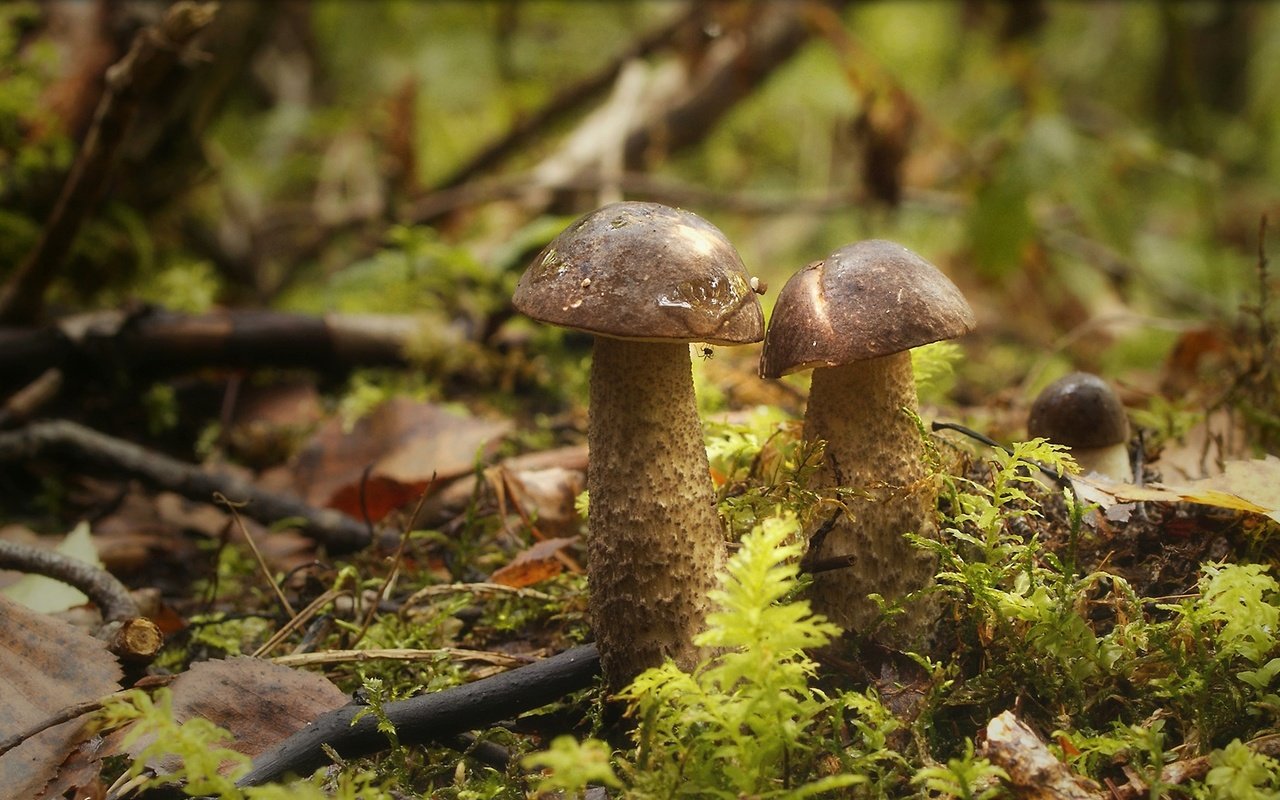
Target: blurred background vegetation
[(1094, 176)]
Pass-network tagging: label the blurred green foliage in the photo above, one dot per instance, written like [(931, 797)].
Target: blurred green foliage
[(1093, 158)]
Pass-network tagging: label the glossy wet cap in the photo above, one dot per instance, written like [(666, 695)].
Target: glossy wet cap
[(1079, 410), (865, 300), (643, 271)]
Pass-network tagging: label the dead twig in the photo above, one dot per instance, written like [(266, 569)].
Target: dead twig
[(75, 444), (129, 635), (110, 595), (24, 403), (233, 509), (566, 101), (398, 654)]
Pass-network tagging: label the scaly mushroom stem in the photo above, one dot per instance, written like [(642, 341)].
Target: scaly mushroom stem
[(873, 448), (655, 538)]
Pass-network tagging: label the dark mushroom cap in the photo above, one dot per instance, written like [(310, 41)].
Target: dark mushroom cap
[(865, 300), (1079, 410), (643, 271)]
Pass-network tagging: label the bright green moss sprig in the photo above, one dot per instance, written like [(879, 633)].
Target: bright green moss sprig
[(203, 766), (741, 725)]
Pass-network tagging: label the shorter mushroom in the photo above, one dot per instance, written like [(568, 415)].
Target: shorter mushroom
[(1081, 412), (853, 319)]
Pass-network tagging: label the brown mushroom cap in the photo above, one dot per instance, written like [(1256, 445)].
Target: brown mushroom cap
[(1080, 411), (865, 300), (643, 271)]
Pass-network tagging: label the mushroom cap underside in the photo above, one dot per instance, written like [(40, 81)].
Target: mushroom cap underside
[(643, 271), (1079, 410), (866, 300)]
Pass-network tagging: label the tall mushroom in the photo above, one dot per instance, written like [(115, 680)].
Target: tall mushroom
[(646, 280), (853, 318), (1082, 412)]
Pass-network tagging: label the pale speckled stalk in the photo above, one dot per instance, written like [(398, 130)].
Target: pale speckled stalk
[(873, 448), (655, 543)]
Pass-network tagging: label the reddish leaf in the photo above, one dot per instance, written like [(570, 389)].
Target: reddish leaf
[(547, 496), (401, 446), (534, 564)]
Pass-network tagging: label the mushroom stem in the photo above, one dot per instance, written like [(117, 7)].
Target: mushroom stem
[(655, 542), (873, 447), (1111, 461)]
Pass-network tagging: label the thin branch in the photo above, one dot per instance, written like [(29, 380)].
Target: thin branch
[(771, 41), (75, 444), (233, 508), (110, 595), (154, 341), (567, 100), (23, 404), (326, 657)]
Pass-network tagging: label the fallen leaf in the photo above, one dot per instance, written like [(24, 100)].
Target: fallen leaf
[(1252, 486), (392, 456), (259, 702), (536, 564), (547, 497), (269, 419), (45, 666)]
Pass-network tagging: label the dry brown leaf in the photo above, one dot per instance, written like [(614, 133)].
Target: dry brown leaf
[(1202, 450), (533, 565), (259, 702), (45, 666), (402, 445), (1252, 486), (547, 496)]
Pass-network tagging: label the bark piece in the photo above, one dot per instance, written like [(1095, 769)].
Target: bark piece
[(1034, 772)]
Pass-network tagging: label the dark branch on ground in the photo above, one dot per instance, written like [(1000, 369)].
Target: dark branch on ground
[(110, 595), (153, 343), (77, 445), (431, 717)]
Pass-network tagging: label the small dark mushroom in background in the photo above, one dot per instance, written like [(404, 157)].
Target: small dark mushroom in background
[(1081, 411), (647, 280), (853, 319)]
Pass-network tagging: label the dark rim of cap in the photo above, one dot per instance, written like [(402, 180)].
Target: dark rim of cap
[(866, 300), (1079, 410), (643, 271)]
